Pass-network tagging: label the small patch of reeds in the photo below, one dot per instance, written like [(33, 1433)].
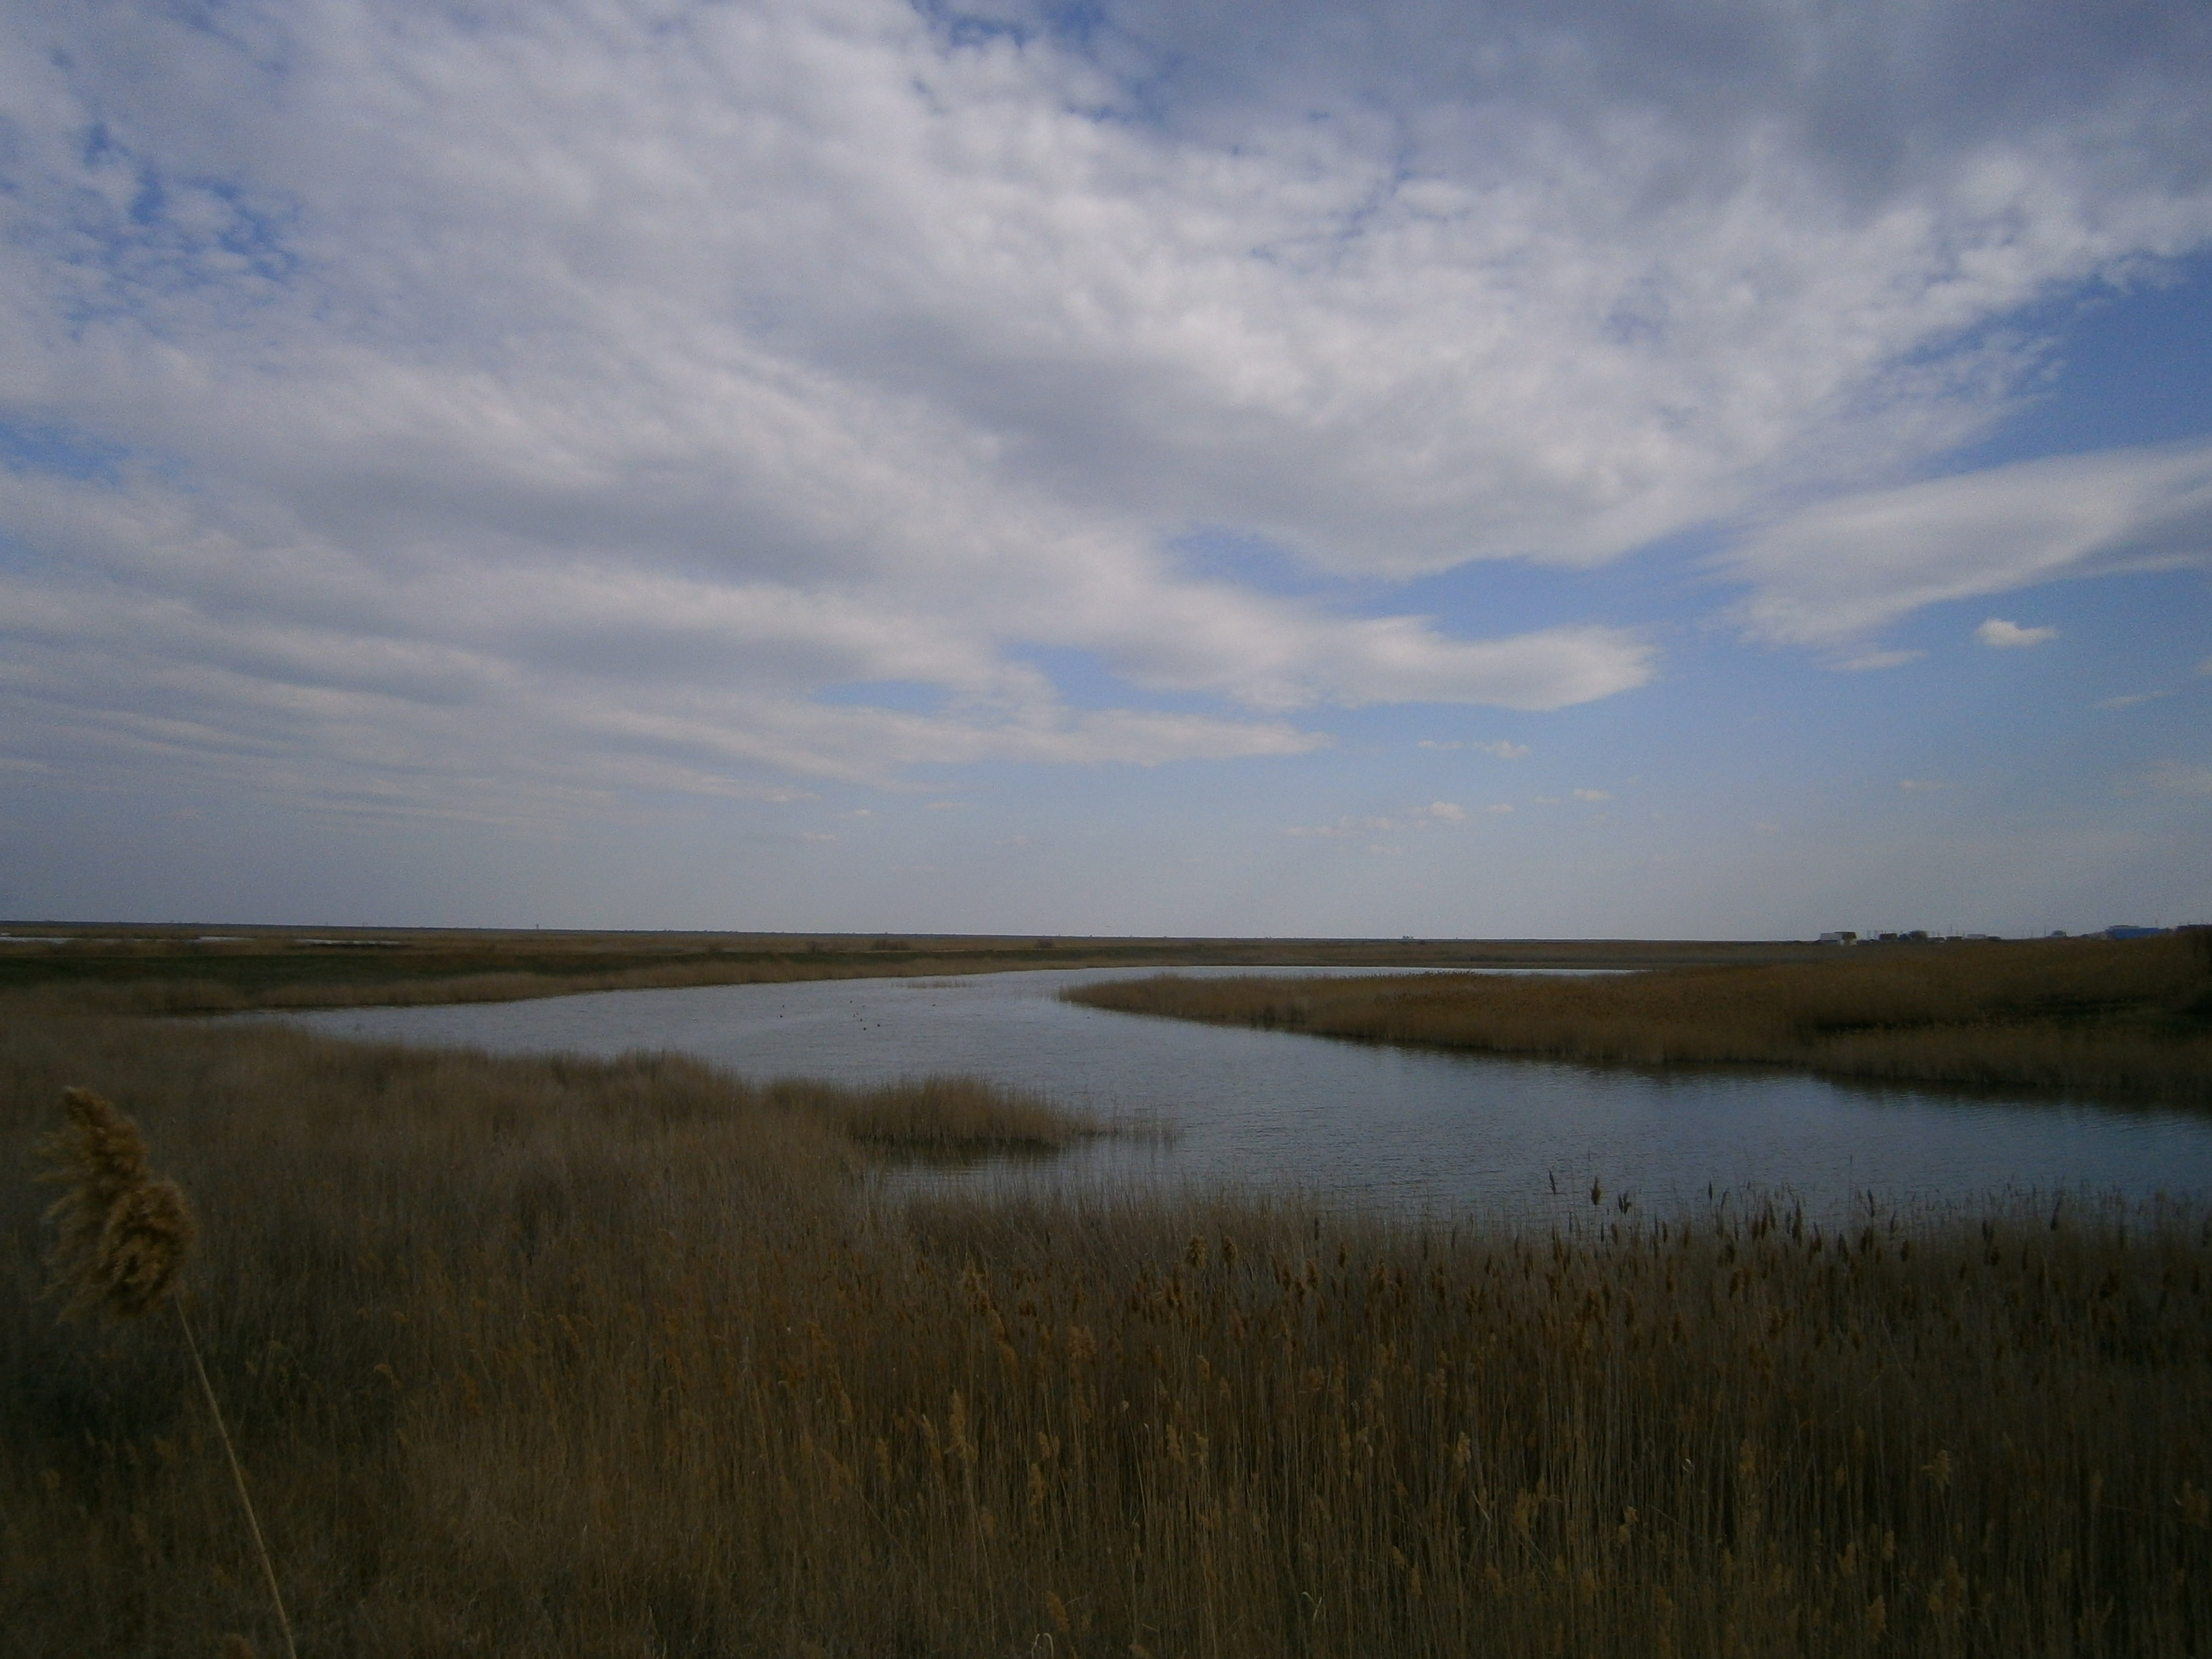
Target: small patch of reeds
[(946, 1114)]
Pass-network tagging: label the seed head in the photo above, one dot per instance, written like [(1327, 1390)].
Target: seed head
[(121, 1234)]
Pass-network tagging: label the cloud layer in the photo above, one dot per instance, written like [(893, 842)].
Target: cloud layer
[(540, 403), (2010, 635), (1838, 571)]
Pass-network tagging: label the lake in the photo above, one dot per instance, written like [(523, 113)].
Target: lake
[(1363, 1125)]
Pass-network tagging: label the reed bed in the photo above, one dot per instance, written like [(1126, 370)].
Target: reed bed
[(946, 1114), (563, 1356), (2100, 1015), (97, 972)]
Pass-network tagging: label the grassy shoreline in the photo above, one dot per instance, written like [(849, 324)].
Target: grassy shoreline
[(571, 1357), (182, 970), (2128, 1018)]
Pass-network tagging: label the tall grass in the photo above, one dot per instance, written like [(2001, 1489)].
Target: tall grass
[(2130, 1018), (566, 1357)]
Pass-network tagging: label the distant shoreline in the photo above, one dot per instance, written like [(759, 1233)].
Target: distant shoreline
[(216, 968)]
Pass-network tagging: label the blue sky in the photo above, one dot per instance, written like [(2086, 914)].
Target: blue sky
[(1727, 469)]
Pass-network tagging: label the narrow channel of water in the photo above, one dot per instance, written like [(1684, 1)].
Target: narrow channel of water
[(1363, 1125)]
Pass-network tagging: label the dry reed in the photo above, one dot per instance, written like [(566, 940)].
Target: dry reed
[(123, 1235), (946, 1114), (563, 1356)]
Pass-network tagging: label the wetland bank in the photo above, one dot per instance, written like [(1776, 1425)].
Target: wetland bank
[(528, 1354)]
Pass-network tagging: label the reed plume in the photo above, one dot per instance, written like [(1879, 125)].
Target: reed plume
[(122, 1234)]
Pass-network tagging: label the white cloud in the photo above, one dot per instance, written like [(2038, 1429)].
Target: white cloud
[(1913, 786), (1501, 750), (1272, 655), (2003, 635), (2112, 704), (1838, 571), (550, 403), (1418, 817), (1869, 662), (1592, 795)]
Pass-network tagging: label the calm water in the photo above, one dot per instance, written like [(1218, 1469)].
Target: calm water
[(1365, 1125)]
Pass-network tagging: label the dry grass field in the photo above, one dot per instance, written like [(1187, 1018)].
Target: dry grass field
[(2131, 1017), (600, 1359)]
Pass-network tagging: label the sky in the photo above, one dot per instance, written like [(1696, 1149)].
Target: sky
[(1607, 468)]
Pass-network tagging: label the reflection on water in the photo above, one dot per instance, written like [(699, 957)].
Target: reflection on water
[(1365, 1124)]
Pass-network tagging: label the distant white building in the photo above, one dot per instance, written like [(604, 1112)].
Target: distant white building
[(1839, 939)]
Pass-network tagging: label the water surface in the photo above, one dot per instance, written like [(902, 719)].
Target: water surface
[(1365, 1124)]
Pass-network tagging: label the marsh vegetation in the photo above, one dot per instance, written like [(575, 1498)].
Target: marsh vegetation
[(186, 970), (601, 1358), (2131, 1017)]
